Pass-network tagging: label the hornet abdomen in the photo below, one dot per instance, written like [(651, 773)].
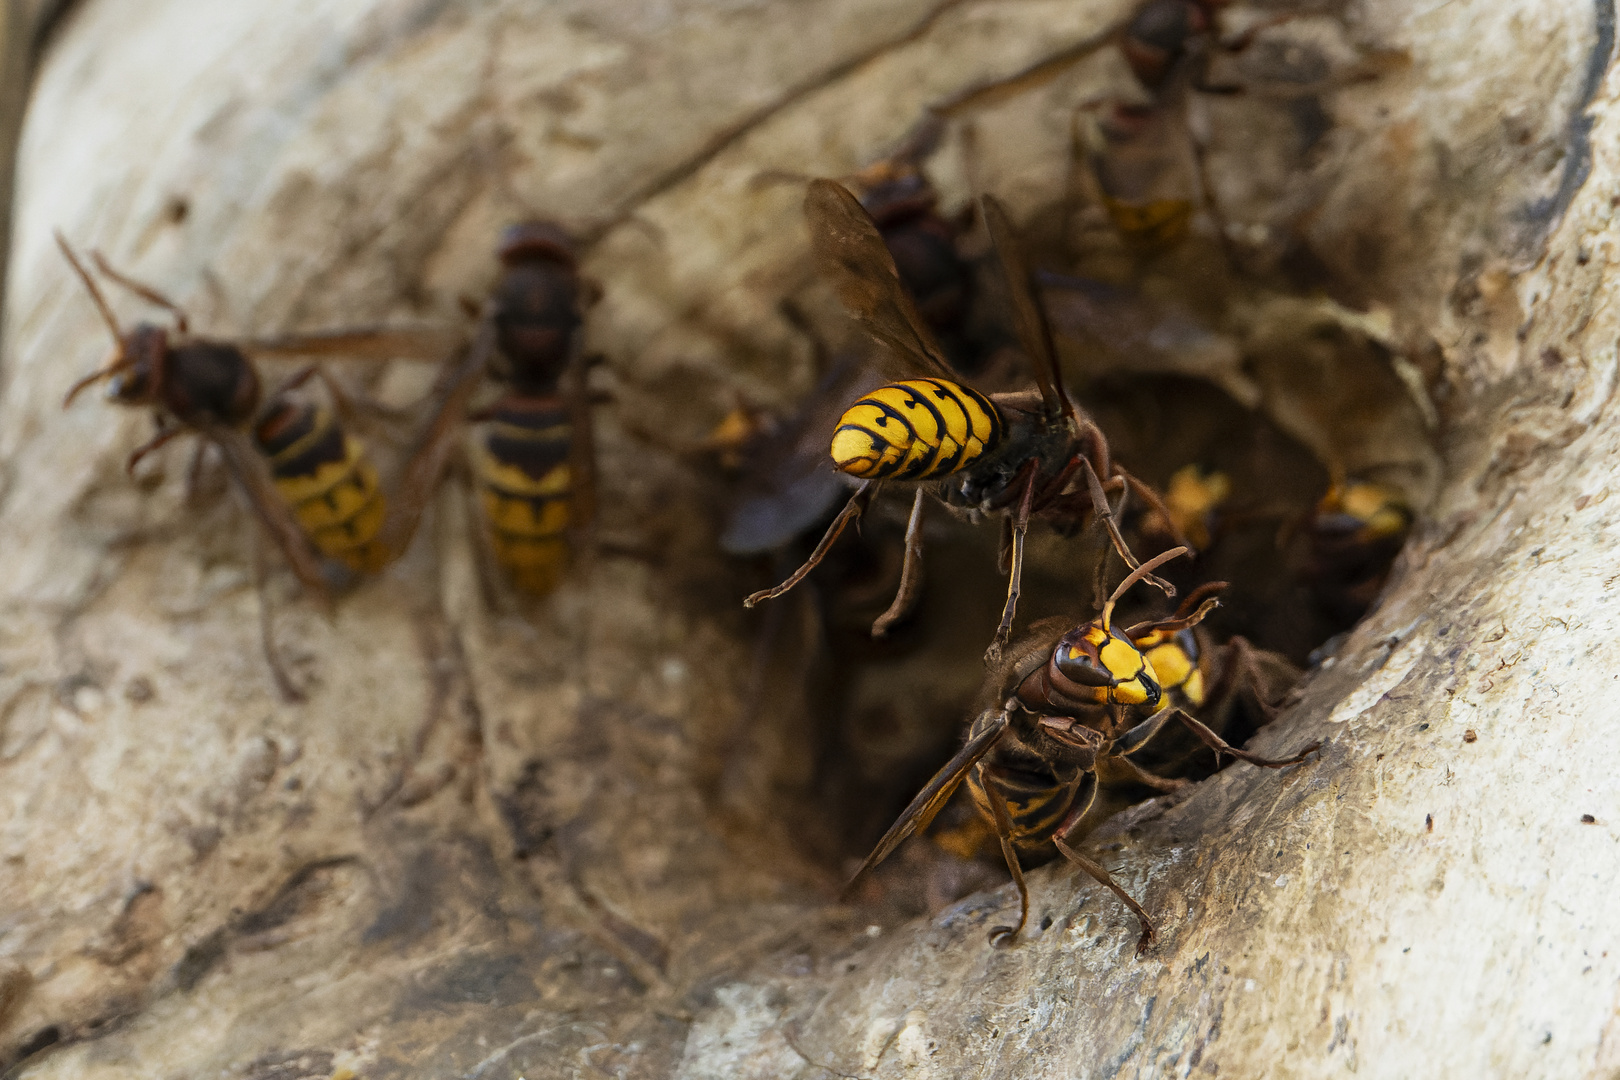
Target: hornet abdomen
[(325, 476), (1037, 802), (526, 487), (916, 430)]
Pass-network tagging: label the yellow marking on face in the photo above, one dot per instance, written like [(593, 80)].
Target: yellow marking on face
[(1125, 663), (1171, 665), (1129, 693), (1121, 659)]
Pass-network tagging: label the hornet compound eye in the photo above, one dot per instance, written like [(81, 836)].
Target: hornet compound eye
[(1082, 669)]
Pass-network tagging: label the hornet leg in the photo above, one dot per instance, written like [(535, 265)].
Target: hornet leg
[(852, 510), (1005, 935), (1099, 873), (910, 572), (1221, 746), (1015, 574), (1099, 504)]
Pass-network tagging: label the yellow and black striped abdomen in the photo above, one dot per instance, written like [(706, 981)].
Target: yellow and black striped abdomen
[(526, 488), (1156, 223), (916, 430), (1174, 659), (1036, 802), (325, 476)]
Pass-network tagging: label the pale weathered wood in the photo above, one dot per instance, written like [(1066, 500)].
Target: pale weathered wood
[(491, 846)]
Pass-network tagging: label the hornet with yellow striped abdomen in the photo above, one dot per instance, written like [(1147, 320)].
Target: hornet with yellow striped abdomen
[(309, 483), (1354, 534), (323, 473), (1062, 714), (532, 459), (1020, 455), (789, 483)]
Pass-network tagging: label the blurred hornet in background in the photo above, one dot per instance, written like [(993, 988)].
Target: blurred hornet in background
[(309, 482), (923, 244), (1063, 714), (1354, 535), (1193, 499), (1148, 172), (532, 460), (1015, 455), (1151, 156), (1150, 168), (1165, 37)]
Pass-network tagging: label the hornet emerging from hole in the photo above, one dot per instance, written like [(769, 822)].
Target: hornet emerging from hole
[(1058, 718)]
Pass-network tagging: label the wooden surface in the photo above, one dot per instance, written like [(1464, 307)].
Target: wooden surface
[(491, 846)]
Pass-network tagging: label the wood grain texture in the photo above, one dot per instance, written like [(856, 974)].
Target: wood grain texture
[(491, 846)]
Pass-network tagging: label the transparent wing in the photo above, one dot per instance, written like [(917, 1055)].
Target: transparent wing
[(361, 343), (790, 483), (452, 393), (1029, 318), (934, 796), (1119, 320), (851, 256), (581, 451), (252, 473)]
